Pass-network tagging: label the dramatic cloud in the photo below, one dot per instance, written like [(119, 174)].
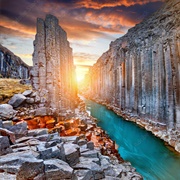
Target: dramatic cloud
[(90, 24)]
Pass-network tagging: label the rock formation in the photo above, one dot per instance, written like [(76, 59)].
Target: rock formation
[(11, 66), (140, 73), (53, 73)]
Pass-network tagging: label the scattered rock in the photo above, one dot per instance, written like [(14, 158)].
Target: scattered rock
[(17, 100), (56, 169), (4, 145), (72, 154), (7, 112), (19, 129), (27, 93)]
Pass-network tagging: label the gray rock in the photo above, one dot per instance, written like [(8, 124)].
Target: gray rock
[(95, 169), (37, 132), (90, 145), (19, 129), (23, 164), (30, 168), (29, 100), (27, 93), (82, 142), (72, 154), (56, 169), (17, 100), (7, 112), (4, 145), (90, 154), (45, 153)]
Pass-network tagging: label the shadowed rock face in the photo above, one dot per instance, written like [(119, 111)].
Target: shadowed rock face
[(53, 73), (11, 66), (140, 73)]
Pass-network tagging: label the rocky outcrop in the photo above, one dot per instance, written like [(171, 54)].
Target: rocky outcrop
[(140, 73), (53, 73), (39, 155), (11, 66)]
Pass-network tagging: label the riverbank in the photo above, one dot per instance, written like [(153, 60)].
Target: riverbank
[(170, 137)]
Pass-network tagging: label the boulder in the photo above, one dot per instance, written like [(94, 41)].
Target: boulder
[(72, 153), (90, 145), (19, 129), (27, 93), (17, 100), (23, 164), (7, 112), (4, 145), (94, 168), (56, 169)]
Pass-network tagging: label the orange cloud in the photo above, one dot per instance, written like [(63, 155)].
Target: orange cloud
[(16, 26), (113, 3)]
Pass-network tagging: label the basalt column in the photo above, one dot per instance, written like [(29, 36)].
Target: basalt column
[(53, 73), (140, 73)]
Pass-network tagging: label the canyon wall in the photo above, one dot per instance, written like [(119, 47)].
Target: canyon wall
[(11, 66), (140, 73), (53, 72)]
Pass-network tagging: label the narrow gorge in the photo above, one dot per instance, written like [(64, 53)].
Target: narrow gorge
[(139, 75)]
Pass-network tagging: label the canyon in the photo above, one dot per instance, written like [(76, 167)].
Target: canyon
[(139, 75), (46, 131)]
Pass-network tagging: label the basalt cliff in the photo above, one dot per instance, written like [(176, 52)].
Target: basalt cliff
[(11, 66), (53, 72), (140, 73)]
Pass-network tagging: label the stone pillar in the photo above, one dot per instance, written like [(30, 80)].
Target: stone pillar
[(52, 72)]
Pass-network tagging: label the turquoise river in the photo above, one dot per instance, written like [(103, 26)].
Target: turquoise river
[(151, 158)]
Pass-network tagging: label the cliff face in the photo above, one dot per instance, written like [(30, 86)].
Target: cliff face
[(53, 73), (140, 73), (11, 66)]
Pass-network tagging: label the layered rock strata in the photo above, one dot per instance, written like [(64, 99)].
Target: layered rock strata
[(53, 73), (140, 73), (11, 66)]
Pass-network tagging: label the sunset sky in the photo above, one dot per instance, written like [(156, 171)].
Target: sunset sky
[(90, 24)]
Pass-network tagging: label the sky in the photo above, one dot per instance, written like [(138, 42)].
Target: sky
[(90, 25)]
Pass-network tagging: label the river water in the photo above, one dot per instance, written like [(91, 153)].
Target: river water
[(151, 158)]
